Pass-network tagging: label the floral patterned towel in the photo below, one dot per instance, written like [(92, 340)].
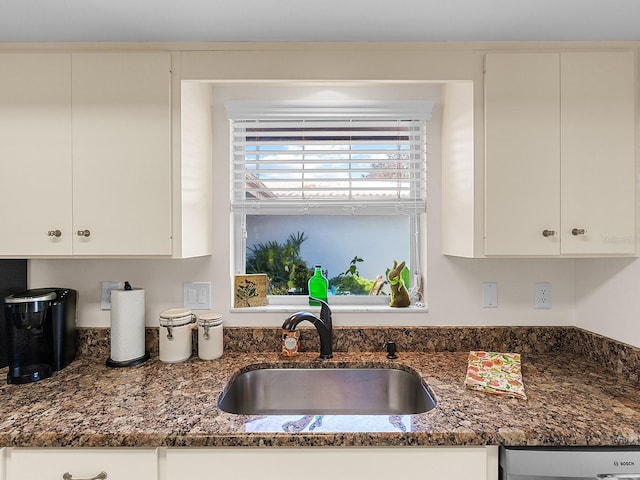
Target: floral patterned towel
[(497, 373)]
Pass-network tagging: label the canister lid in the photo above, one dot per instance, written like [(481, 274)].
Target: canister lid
[(210, 319), (176, 317)]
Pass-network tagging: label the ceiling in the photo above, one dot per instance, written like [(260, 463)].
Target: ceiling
[(318, 20)]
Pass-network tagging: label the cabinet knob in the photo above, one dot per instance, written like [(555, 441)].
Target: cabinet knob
[(578, 231), (100, 476), (54, 233), (548, 233), (84, 233)]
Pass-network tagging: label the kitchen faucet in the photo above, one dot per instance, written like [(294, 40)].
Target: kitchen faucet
[(322, 324)]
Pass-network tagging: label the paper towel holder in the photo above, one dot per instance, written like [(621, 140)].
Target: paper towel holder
[(130, 362)]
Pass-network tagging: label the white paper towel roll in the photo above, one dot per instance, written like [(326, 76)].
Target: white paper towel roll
[(127, 325)]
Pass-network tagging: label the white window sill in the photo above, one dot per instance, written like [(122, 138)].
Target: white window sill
[(347, 304)]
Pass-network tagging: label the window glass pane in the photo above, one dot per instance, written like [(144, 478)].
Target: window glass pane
[(331, 241)]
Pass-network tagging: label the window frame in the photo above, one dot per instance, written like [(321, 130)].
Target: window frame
[(415, 209)]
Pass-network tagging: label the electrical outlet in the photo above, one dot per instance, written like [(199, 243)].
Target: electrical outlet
[(542, 295), (105, 299), (490, 295), (197, 295)]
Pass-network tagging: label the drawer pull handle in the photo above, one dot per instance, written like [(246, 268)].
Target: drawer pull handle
[(548, 233), (100, 476), (84, 233), (54, 233), (578, 231), (618, 476)]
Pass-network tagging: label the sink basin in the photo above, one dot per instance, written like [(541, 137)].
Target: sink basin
[(326, 391)]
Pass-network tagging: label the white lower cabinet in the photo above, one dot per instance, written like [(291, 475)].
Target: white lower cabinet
[(246, 463), (82, 464), (338, 463)]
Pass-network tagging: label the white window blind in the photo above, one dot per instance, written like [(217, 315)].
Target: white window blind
[(329, 159)]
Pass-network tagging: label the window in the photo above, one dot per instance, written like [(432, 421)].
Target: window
[(344, 184)]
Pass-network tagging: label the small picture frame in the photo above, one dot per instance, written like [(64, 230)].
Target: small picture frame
[(250, 290)]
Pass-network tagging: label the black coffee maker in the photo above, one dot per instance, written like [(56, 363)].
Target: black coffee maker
[(40, 332)]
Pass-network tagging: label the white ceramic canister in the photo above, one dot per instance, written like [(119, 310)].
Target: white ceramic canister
[(210, 343), (175, 334)]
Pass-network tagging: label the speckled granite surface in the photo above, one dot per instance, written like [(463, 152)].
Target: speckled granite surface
[(618, 357), (573, 398)]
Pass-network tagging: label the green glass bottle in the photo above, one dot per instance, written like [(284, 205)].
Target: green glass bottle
[(318, 286)]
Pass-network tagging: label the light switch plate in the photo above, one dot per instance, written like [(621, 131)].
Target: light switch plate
[(490, 295), (105, 299), (197, 295)]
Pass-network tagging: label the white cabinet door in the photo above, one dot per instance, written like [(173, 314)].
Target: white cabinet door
[(560, 154), (598, 152), (81, 463), (35, 154), (345, 463), (522, 117), (122, 153), (85, 146)]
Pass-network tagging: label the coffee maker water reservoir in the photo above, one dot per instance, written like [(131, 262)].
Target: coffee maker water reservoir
[(41, 332)]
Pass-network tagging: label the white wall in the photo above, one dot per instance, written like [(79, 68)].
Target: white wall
[(598, 294), (608, 297), (453, 284)]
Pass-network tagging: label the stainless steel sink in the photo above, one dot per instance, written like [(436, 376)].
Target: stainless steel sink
[(326, 391)]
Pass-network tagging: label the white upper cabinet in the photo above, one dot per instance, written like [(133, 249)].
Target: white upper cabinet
[(85, 149), (560, 163), (522, 189), (35, 154), (598, 112), (122, 153)]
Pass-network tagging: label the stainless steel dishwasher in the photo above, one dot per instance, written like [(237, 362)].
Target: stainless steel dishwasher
[(575, 463)]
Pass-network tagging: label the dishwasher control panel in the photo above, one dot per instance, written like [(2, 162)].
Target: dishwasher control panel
[(575, 463)]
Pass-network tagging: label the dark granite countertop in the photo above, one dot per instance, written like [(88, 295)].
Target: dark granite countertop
[(572, 400)]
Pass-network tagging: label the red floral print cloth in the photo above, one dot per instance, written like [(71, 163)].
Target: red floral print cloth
[(497, 373)]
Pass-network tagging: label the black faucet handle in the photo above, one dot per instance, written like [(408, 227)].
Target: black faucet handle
[(325, 313)]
